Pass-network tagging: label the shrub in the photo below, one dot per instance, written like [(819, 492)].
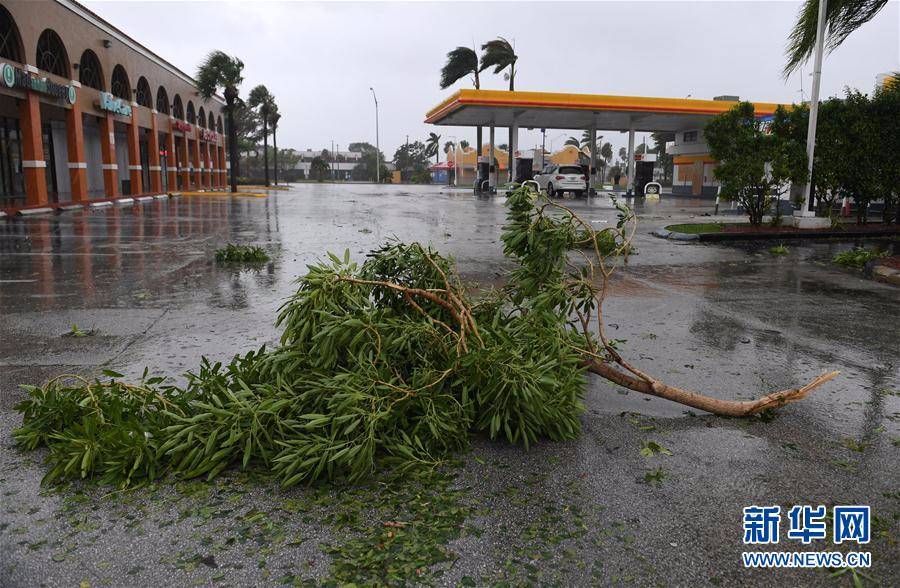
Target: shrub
[(232, 253), (857, 257)]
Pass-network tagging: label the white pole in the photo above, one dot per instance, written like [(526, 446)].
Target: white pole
[(377, 146), (806, 209)]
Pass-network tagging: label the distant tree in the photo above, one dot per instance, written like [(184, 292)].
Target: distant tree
[(263, 102), (365, 169), (463, 144), (412, 160), (275, 116), (501, 55), (503, 146), (462, 62), (664, 160), (432, 146), (623, 154), (360, 147), (606, 151), (219, 70), (318, 168), (573, 141), (754, 166), (449, 146), (886, 111)]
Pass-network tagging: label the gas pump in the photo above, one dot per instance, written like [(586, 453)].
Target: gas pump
[(643, 171), (486, 173)]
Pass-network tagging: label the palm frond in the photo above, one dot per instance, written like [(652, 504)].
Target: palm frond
[(219, 70), (461, 62), (842, 17), (498, 54)]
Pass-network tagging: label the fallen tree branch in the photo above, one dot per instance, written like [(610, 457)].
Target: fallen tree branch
[(732, 408)]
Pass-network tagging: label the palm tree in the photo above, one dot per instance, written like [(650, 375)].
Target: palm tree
[(275, 116), (219, 70), (432, 146), (606, 152), (264, 102), (842, 17), (449, 146), (463, 144), (572, 141), (500, 55), (462, 62)]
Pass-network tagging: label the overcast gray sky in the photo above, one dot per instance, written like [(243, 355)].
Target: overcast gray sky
[(319, 59)]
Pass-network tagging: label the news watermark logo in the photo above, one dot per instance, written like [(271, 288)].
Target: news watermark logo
[(806, 524)]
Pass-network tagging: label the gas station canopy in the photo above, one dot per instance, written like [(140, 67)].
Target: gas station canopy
[(470, 108)]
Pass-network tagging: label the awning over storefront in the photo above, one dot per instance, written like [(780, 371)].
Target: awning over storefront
[(468, 108)]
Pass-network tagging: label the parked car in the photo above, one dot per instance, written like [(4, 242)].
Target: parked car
[(556, 179)]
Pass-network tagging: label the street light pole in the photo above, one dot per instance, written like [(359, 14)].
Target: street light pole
[(332, 160), (377, 146), (808, 209)]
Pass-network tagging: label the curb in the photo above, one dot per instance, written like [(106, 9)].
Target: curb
[(675, 236), (718, 237)]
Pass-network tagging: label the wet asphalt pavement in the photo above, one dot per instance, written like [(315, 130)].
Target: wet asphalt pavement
[(729, 320)]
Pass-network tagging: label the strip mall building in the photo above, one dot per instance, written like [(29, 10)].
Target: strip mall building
[(88, 113)]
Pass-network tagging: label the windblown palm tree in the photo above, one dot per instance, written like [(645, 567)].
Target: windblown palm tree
[(219, 70), (500, 55), (449, 146), (463, 144), (433, 146), (462, 62), (264, 102), (842, 17), (275, 116), (573, 141), (606, 152)]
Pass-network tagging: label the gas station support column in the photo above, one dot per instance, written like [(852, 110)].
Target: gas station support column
[(513, 147), (629, 187), (592, 175), (491, 173)]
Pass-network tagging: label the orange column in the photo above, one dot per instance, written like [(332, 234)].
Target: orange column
[(77, 162), (153, 147), (185, 166), (207, 165), (134, 154), (108, 151), (33, 163), (222, 171), (171, 162), (198, 171)]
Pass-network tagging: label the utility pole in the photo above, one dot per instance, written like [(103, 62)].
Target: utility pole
[(332, 160), (377, 146), (406, 159)]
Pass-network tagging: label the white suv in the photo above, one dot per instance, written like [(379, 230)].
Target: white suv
[(556, 179)]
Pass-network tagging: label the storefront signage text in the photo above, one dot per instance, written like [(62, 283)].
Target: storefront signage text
[(114, 105), (13, 77), (180, 125), (208, 136)]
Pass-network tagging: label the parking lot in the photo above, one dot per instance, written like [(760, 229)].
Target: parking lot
[(729, 320)]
